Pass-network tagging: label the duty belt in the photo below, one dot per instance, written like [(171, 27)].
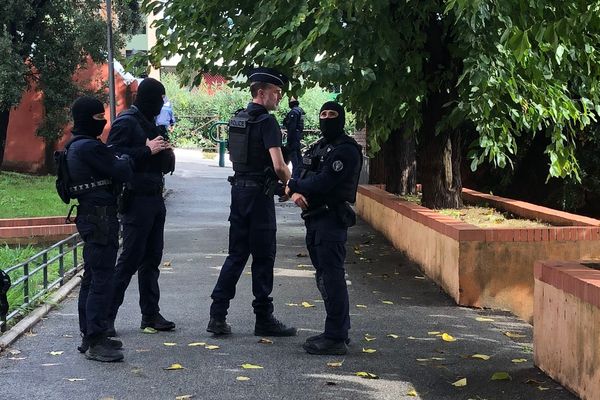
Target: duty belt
[(85, 187), (246, 181), (315, 211), (100, 211)]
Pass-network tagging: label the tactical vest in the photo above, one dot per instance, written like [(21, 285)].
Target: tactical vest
[(246, 148), (317, 157), (81, 175)]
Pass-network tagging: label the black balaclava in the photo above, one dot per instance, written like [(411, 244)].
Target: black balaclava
[(293, 103), (149, 99), (83, 109), (332, 128)]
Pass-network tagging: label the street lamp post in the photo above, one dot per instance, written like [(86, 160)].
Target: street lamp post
[(111, 67)]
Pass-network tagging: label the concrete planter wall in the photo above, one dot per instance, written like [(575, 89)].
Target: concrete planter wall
[(479, 267), (566, 330)]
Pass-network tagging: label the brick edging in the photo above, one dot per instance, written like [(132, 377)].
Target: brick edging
[(35, 227), (461, 231), (571, 277)]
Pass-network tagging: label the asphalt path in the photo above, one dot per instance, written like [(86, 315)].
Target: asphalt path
[(395, 311)]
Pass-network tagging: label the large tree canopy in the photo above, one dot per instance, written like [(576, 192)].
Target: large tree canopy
[(428, 69), (44, 42)]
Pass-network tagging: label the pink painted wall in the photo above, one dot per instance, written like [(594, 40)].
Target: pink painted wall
[(24, 150)]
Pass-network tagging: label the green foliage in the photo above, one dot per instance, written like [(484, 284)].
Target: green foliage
[(29, 196), (197, 108), (46, 41), (507, 67)]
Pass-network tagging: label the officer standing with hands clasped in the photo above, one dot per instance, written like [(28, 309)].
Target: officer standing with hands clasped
[(255, 148), (95, 174), (142, 205), (324, 189)]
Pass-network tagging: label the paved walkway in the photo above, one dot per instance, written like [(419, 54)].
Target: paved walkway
[(394, 310)]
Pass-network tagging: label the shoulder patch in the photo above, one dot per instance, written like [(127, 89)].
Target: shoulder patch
[(337, 166)]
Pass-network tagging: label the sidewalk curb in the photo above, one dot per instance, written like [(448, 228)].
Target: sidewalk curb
[(36, 315)]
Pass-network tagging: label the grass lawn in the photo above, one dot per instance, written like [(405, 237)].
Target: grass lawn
[(12, 255), (29, 196)]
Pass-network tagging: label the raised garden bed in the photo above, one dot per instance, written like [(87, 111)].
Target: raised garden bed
[(480, 267), (34, 230)]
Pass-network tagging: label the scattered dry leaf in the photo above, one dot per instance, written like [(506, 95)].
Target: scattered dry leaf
[(251, 366), (361, 306), (242, 378), (367, 375), (195, 344), (369, 338), (412, 393), (304, 266), (306, 304), (184, 397), (167, 264), (387, 302), (335, 364), (211, 347), (460, 383), (484, 319), (173, 367), (265, 341), (518, 360), (368, 350), (514, 335), (392, 335), (448, 338), (75, 379), (543, 388), (56, 353), (170, 344), (419, 277), (481, 356), (291, 304), (149, 330), (500, 376), (301, 255), (434, 333)]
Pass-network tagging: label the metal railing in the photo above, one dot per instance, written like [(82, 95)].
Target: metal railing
[(39, 274)]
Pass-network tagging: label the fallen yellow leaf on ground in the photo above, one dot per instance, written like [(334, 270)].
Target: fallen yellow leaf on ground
[(411, 338), (169, 344), (335, 364), (460, 383), (369, 338), (367, 375), (481, 356), (448, 338), (242, 378), (543, 388), (387, 302), (392, 335), (306, 304), (361, 306), (437, 358), (211, 347), (265, 341), (412, 393), (184, 397), (173, 367), (422, 359), (514, 335), (251, 366), (194, 344), (56, 353), (167, 264), (149, 330), (501, 376), (434, 333), (484, 319), (368, 350), (291, 304), (519, 360)]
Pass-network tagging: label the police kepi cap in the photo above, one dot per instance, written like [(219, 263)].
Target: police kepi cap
[(268, 75)]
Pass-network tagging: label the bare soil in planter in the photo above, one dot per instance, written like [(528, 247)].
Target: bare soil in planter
[(483, 217)]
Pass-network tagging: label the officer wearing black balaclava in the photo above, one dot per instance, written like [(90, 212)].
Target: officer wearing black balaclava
[(142, 206), (95, 174), (294, 124), (324, 190)]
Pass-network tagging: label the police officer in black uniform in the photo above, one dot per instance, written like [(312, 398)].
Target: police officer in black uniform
[(294, 124), (94, 173), (142, 206), (255, 151), (326, 186)]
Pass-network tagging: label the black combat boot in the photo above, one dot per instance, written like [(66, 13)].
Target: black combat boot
[(271, 326), (218, 326), (326, 346), (157, 322), (322, 335), (102, 350), (85, 344)]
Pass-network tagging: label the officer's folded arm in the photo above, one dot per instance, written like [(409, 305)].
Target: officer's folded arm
[(279, 165)]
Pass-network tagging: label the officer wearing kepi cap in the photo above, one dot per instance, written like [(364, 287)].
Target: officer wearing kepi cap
[(327, 184), (94, 173), (255, 149)]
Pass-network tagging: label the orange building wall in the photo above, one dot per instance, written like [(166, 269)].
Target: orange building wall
[(24, 150)]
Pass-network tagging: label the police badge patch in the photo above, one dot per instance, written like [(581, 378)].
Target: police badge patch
[(338, 166)]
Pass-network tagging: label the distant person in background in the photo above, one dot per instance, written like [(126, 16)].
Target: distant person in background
[(294, 124), (166, 119)]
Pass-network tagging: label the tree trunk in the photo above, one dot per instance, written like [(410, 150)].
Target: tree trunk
[(395, 164), (49, 165), (4, 119), (439, 152)]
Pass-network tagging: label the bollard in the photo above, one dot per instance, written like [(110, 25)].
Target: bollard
[(222, 144)]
